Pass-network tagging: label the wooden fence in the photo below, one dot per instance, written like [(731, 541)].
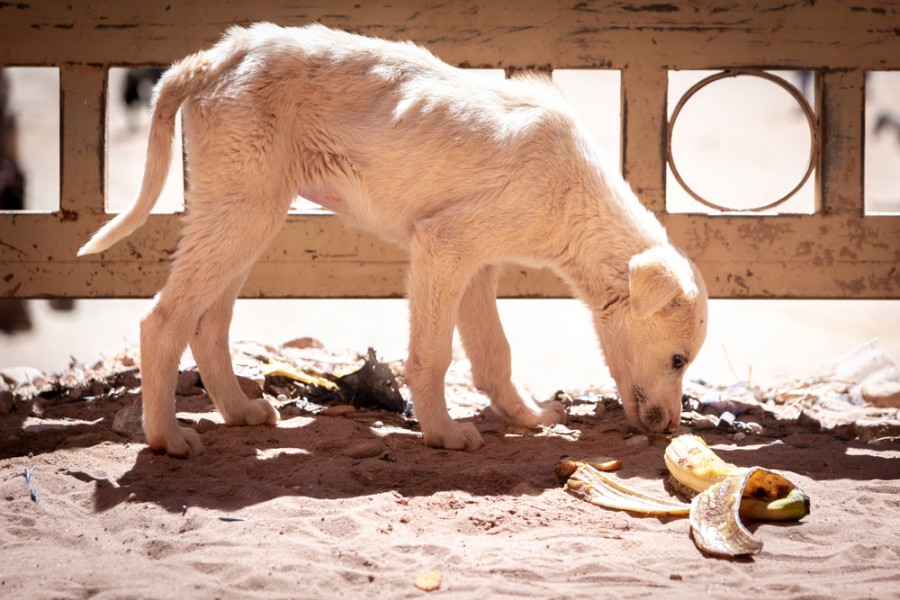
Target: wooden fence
[(837, 252)]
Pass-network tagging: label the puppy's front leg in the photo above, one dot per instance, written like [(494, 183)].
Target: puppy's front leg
[(436, 280), (488, 350)]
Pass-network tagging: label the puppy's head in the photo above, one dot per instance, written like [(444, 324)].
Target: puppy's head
[(650, 339)]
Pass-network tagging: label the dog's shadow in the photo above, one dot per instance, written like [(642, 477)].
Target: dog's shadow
[(319, 457), (330, 458)]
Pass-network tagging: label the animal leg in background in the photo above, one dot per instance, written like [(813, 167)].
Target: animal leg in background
[(488, 350)]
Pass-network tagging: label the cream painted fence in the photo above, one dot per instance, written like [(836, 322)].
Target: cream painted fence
[(838, 252)]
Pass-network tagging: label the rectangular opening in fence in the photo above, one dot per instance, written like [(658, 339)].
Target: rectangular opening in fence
[(29, 139), (882, 130), (129, 111), (741, 141), (596, 96)]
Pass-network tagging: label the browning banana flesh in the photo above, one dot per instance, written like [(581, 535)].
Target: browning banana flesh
[(723, 495)]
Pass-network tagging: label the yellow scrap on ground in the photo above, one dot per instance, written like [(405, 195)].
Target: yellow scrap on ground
[(282, 369)]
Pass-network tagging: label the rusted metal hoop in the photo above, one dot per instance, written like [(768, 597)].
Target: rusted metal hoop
[(811, 120)]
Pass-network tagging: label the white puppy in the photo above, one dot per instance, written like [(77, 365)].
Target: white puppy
[(465, 172)]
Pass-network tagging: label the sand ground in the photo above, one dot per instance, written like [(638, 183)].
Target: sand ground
[(357, 506)]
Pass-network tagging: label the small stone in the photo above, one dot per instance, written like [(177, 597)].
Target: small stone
[(676, 577), (338, 410), (637, 440), (739, 436), (250, 388), (282, 398), (188, 382), (128, 421), (204, 425), (131, 497), (289, 411), (807, 420), (754, 428), (377, 425), (278, 391), (704, 421), (364, 450), (883, 394), (303, 343), (726, 420)]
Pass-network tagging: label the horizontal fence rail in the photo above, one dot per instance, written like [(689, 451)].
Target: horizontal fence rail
[(837, 252)]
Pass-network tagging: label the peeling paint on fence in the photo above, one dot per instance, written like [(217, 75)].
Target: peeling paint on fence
[(839, 252)]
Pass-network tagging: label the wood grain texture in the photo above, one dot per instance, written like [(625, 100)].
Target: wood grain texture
[(839, 253), (786, 256), (566, 34)]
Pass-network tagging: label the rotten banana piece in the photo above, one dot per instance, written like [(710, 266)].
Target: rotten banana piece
[(695, 466), (723, 495), (767, 496)]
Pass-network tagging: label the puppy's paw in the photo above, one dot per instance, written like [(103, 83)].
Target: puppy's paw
[(181, 442), (552, 412), (455, 436), (253, 412), (260, 412), (531, 414)]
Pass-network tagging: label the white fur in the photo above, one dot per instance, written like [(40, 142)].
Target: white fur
[(465, 172)]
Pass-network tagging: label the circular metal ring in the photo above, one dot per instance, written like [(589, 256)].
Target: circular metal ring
[(811, 120)]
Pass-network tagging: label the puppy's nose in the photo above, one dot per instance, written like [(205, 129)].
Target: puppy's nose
[(674, 424), (652, 419)]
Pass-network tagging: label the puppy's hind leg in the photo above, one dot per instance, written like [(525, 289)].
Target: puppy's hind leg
[(164, 335), (486, 346), (220, 243), (210, 348)]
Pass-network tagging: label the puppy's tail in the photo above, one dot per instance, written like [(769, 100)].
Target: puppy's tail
[(178, 83)]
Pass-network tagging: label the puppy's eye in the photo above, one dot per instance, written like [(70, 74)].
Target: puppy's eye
[(678, 362)]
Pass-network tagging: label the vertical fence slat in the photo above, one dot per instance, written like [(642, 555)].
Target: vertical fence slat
[(84, 134), (643, 138), (841, 107)]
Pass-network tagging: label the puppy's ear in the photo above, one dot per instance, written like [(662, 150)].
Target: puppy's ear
[(656, 277)]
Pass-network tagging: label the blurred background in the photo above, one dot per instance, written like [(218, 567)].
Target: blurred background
[(739, 142)]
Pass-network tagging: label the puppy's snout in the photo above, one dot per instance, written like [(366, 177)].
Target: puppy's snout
[(656, 419), (653, 418)]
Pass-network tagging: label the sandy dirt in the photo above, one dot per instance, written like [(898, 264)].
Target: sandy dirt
[(356, 505)]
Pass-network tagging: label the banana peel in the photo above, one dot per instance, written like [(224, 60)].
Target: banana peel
[(724, 495), (716, 523), (594, 486)]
